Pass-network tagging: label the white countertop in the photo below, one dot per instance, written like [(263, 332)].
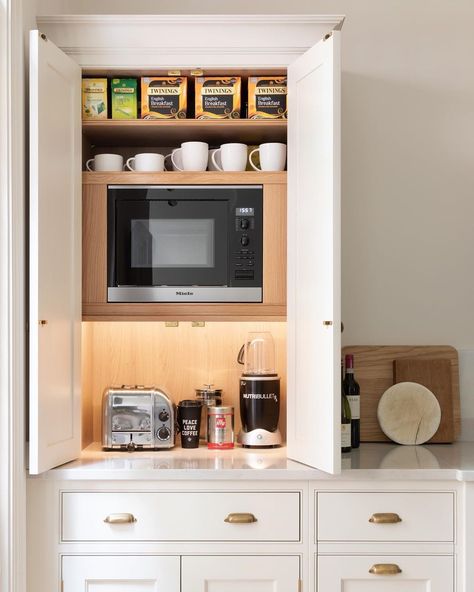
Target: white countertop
[(380, 462)]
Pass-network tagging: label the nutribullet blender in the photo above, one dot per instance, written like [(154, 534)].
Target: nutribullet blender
[(259, 392)]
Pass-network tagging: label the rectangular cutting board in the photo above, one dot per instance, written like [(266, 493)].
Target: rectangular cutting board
[(436, 376), (374, 371)]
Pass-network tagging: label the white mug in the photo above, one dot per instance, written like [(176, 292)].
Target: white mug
[(178, 158), (146, 161), (210, 164), (233, 157), (272, 157), (194, 155), (105, 162)]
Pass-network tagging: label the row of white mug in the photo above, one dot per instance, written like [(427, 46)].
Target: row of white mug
[(196, 156)]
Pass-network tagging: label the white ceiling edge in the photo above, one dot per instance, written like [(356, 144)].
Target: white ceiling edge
[(182, 19)]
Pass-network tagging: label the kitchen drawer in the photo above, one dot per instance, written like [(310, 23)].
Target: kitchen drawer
[(348, 516), (417, 573), (180, 516)]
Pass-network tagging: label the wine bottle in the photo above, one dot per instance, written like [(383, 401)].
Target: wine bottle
[(345, 418), (352, 391)]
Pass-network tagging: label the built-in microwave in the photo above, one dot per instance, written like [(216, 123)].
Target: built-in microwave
[(185, 243)]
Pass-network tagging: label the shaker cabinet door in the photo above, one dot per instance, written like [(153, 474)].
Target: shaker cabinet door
[(226, 573), (120, 573), (54, 256), (314, 317)]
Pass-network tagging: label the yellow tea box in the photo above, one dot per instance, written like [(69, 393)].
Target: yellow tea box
[(123, 95), (94, 98), (267, 97), (217, 97), (164, 97)]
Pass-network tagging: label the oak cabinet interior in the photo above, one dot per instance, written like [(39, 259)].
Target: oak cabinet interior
[(94, 251)]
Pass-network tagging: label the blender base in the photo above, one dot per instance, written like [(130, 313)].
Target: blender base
[(259, 438)]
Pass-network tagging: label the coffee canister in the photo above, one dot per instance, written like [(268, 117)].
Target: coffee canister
[(209, 397), (220, 428)]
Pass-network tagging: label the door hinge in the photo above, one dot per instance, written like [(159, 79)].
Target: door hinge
[(62, 586), (300, 585)]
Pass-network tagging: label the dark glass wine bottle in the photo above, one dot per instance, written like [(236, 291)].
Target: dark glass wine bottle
[(352, 391), (345, 418)]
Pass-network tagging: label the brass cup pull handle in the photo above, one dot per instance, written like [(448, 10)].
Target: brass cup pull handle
[(120, 519), (240, 518), (385, 518), (385, 569)]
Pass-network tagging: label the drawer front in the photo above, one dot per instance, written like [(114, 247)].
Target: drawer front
[(400, 573), (180, 516), (366, 516)]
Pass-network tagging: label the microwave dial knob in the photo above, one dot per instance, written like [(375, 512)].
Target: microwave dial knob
[(244, 224), (244, 240), (163, 433), (164, 416)]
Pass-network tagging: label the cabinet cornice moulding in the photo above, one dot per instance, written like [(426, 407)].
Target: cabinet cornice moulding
[(112, 41), (160, 50)]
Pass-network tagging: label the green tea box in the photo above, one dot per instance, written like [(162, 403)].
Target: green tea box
[(94, 98), (123, 92)]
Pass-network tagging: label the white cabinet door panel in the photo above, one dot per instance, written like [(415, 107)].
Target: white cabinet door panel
[(314, 322), (120, 573), (55, 255), (240, 574), (418, 574)]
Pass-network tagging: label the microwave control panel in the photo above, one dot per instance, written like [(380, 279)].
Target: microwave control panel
[(246, 258)]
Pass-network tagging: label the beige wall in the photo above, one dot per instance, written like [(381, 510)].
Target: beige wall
[(407, 156)]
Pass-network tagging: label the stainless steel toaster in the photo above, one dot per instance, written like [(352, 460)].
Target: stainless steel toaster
[(137, 418)]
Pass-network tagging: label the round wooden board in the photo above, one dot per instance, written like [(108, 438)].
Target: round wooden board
[(409, 413)]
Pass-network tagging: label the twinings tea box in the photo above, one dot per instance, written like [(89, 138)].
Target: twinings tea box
[(124, 98), (164, 97), (267, 97), (217, 97), (94, 98)]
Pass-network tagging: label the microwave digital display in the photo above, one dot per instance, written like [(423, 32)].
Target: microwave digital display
[(245, 211)]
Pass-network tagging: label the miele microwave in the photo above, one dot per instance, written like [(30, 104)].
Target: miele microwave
[(184, 243)]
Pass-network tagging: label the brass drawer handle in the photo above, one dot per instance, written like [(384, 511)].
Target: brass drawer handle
[(385, 518), (385, 569), (120, 519), (240, 518)]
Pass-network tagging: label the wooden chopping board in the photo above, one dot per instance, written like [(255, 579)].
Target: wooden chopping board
[(374, 371), (436, 376)]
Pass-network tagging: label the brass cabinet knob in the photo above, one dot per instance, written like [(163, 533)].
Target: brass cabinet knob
[(120, 519), (385, 518), (385, 569), (240, 518), (43, 322)]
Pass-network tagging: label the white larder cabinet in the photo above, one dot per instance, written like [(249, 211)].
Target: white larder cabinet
[(311, 56)]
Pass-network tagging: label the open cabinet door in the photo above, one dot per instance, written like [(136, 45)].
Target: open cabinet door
[(55, 256), (314, 322)]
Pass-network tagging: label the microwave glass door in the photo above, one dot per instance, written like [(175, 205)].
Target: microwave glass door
[(171, 242)]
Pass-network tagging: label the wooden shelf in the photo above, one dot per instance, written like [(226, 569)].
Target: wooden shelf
[(176, 178), (147, 132)]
